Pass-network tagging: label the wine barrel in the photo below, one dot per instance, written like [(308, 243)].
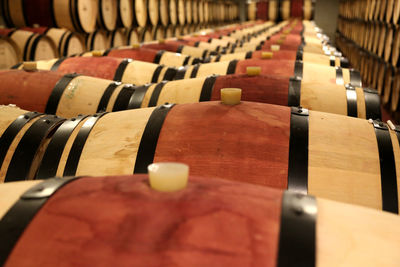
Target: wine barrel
[(396, 12), (296, 8), (394, 104), (268, 142), (63, 95), (170, 31), (141, 12), (285, 9), (51, 13), (287, 55), (133, 37), (153, 11), (9, 53), (158, 32), (24, 136), (117, 69), (181, 12), (388, 85), (117, 38), (201, 11), (188, 11), (164, 12), (145, 34), (220, 217), (395, 47), (173, 12), (32, 46), (149, 55), (285, 68), (97, 40), (125, 13), (308, 9), (108, 14), (262, 10), (179, 48), (195, 12), (68, 43), (206, 12), (273, 10), (84, 95)]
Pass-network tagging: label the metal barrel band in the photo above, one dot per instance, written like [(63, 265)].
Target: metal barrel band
[(332, 61), (355, 78), (344, 62), (387, 167), (297, 237), (12, 131), (157, 73), (195, 69), (372, 104), (58, 90), (137, 97), (170, 74), (180, 48), (158, 56), (232, 66), (207, 89), (148, 143), (119, 73), (19, 216), (339, 76), (57, 64), (299, 54), (249, 54), (186, 60), (180, 74), (24, 154), (298, 69), (52, 156), (294, 94), (205, 53), (122, 101), (351, 96), (65, 52), (33, 47), (108, 51), (298, 150), (105, 98), (25, 52), (79, 143), (156, 94)]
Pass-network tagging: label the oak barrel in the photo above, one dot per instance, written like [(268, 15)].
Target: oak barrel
[(108, 14), (215, 222), (273, 151)]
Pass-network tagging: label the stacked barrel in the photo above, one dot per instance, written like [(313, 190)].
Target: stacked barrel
[(248, 144), (369, 35), (280, 9), (48, 29)]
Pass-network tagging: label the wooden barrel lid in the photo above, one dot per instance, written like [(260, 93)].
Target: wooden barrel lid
[(170, 31), (195, 11), (133, 36), (394, 105), (153, 10), (107, 14), (97, 40), (126, 12), (164, 12), (173, 11), (396, 47), (181, 12), (117, 38), (9, 53), (86, 14), (141, 12), (188, 11), (158, 32)]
